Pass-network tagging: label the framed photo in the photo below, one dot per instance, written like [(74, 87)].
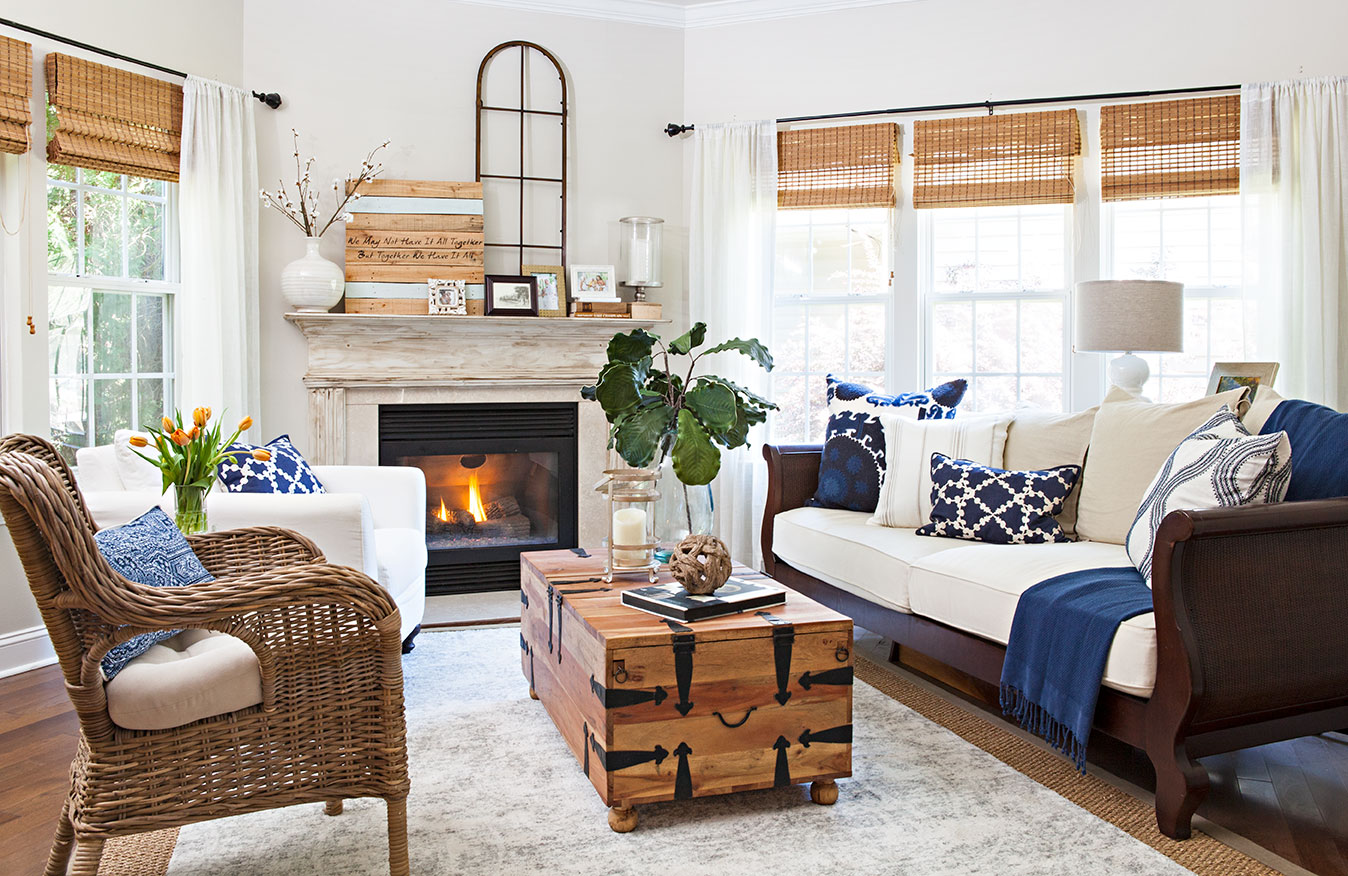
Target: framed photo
[(1229, 375), (551, 288), (594, 283), (509, 295), (447, 296)]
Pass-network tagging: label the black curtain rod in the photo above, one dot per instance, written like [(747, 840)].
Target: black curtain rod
[(674, 130), (271, 99)]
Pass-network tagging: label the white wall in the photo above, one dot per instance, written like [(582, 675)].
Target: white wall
[(353, 76)]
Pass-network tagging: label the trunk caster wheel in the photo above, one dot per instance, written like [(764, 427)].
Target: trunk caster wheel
[(622, 819), (824, 792)]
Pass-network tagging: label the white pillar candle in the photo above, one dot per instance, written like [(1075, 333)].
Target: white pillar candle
[(639, 271), (629, 527)]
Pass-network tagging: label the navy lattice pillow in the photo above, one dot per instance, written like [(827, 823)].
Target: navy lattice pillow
[(982, 503), (853, 460), (285, 472)]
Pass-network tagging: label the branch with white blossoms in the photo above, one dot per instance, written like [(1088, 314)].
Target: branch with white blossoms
[(301, 207)]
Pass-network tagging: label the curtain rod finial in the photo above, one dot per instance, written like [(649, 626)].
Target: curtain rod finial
[(271, 99), (674, 130)]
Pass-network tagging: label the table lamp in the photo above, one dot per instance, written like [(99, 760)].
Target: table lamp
[(1129, 317)]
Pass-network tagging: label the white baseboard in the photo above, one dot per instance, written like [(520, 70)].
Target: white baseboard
[(23, 650)]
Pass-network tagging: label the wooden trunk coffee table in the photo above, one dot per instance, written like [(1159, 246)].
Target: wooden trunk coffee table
[(661, 710)]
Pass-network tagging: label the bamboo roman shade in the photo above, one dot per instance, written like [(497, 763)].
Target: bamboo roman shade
[(980, 161), (16, 94), (110, 119), (1170, 149), (851, 166)]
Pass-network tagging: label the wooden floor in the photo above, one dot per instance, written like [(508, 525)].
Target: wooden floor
[(1291, 797)]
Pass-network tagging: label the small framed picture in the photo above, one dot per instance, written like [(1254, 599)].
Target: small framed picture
[(447, 297), (551, 288), (509, 295), (594, 283), (1230, 375)]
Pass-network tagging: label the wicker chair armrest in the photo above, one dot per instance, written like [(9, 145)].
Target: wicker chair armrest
[(235, 552), (1251, 604), (793, 476)]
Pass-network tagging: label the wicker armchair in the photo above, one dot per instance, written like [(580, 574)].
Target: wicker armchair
[(330, 725)]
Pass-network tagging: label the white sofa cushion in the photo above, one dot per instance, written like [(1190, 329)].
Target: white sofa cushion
[(196, 674), (975, 589), (905, 492), (137, 475), (1039, 440), (401, 558), (840, 548)]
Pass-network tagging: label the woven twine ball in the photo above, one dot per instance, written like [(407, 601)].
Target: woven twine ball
[(701, 563)]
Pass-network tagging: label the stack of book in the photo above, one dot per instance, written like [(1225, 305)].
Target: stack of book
[(735, 595)]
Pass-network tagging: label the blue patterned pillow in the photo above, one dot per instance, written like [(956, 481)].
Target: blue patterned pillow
[(285, 472), (853, 460), (151, 551), (982, 503)]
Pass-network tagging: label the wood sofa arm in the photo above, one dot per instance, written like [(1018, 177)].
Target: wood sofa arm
[(793, 476)]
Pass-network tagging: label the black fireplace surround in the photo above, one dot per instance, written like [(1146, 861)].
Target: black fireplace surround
[(500, 480)]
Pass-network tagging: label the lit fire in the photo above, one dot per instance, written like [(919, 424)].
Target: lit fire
[(443, 513), (475, 506)]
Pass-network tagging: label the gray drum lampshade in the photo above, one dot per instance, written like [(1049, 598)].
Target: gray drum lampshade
[(1129, 316)]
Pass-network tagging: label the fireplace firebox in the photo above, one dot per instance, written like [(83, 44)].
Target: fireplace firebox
[(500, 480)]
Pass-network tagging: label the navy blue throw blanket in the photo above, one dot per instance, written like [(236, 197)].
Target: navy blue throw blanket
[(1055, 659)]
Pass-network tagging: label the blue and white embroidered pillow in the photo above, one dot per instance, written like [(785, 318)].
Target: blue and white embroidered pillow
[(1220, 465), (285, 472), (853, 460), (149, 550), (983, 503)]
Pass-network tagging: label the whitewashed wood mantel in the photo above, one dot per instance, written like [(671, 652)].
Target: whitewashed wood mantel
[(358, 362)]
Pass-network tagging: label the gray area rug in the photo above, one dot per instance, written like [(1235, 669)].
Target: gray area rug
[(495, 790)]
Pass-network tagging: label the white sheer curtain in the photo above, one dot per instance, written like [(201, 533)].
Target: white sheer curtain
[(734, 207), (217, 310), (1293, 173)]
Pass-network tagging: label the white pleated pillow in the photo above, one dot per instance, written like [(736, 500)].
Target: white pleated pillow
[(905, 492)]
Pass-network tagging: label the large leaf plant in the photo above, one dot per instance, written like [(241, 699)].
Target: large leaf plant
[(654, 412)]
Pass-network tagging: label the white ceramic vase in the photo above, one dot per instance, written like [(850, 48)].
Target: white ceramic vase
[(312, 284)]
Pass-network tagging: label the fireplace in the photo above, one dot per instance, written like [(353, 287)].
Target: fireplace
[(500, 479)]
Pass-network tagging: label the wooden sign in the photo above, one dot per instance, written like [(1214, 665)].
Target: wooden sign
[(405, 232)]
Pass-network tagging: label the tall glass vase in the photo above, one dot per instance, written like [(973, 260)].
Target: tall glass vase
[(190, 502), (681, 510)]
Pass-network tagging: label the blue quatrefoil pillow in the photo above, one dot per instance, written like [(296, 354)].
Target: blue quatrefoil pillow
[(853, 461), (286, 471), (982, 503)]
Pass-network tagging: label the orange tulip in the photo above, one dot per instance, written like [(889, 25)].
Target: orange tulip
[(245, 424), (262, 455), (138, 441), (168, 425), (200, 416), (196, 430), (181, 438)]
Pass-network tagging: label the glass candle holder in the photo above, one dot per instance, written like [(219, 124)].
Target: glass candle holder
[(642, 253), (631, 495)]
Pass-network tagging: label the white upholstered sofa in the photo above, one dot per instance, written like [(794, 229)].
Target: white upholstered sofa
[(372, 518)]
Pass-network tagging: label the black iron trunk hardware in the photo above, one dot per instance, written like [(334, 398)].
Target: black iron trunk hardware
[(580, 552), (782, 777), (550, 592), (841, 733), (620, 698), (783, 637), (678, 627), (740, 722), (840, 675), (526, 648), (611, 761), (559, 628), (524, 598), (683, 780), (683, 670), (586, 745)]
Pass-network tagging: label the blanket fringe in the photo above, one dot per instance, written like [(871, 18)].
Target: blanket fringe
[(1033, 718)]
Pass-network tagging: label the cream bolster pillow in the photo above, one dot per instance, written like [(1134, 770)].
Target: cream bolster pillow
[(1130, 441), (905, 492)]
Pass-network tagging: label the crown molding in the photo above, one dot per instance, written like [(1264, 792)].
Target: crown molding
[(662, 14)]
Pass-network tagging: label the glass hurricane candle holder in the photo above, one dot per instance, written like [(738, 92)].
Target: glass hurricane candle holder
[(631, 542)]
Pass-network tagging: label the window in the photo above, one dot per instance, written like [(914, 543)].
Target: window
[(1195, 241), (831, 301), (994, 285), (111, 279)]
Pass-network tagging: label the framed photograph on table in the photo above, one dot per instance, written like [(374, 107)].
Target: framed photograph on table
[(594, 283), (551, 288), (447, 297), (510, 295), (1230, 375)]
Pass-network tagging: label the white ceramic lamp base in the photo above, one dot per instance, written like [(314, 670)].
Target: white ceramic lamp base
[(1129, 373)]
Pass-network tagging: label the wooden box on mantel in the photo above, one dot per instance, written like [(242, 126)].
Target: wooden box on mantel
[(659, 710)]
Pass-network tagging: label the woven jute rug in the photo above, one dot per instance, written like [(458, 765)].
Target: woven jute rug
[(149, 854)]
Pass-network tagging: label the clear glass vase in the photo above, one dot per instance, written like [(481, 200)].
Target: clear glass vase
[(681, 510), (190, 504)]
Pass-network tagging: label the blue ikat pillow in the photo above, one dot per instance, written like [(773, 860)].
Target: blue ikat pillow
[(286, 471), (853, 461), (149, 550), (981, 503)]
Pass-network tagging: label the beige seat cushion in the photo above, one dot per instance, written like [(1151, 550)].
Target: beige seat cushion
[(1038, 440), (976, 590), (1130, 440), (194, 675), (838, 547)]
